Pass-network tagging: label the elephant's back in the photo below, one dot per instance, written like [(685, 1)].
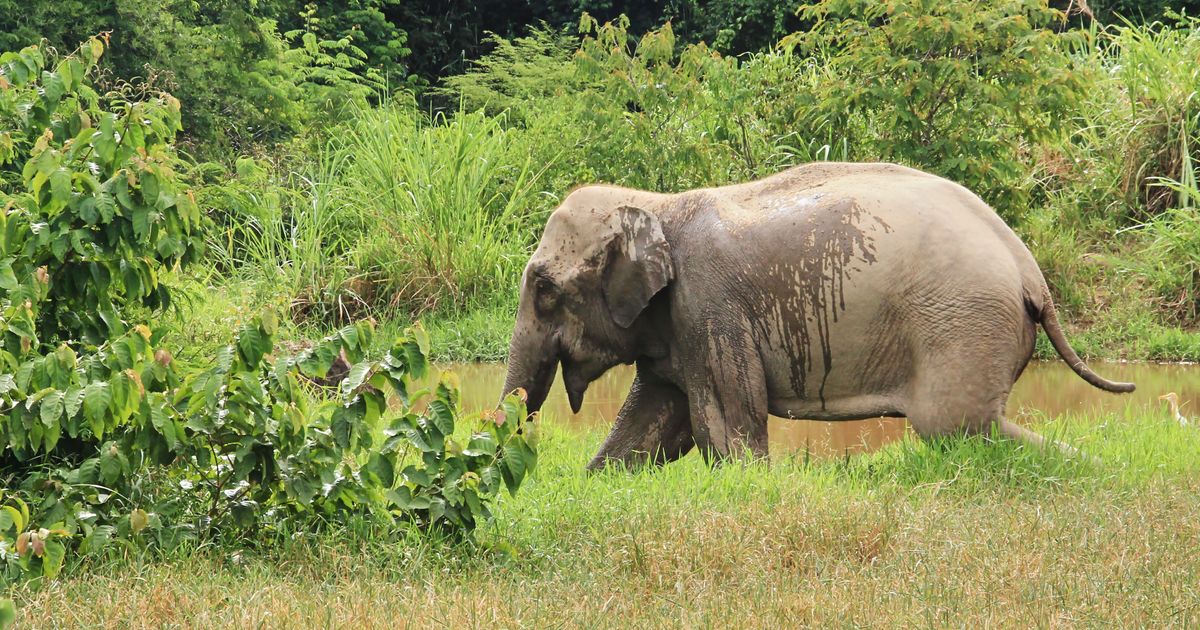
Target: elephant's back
[(902, 214), (877, 226), (854, 275)]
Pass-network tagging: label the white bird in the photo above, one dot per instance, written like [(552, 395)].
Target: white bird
[(1173, 400)]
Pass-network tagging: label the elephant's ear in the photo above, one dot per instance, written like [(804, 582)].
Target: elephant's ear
[(639, 264)]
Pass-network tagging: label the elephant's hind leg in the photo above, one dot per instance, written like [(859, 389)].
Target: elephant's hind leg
[(971, 407), (652, 426), (960, 401)]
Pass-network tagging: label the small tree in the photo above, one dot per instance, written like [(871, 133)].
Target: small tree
[(961, 88)]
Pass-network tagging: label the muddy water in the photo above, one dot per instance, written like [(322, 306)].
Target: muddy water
[(1046, 389)]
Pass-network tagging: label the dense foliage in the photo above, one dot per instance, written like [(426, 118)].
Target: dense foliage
[(147, 397), (1083, 140), (106, 440), (261, 72), (930, 76)]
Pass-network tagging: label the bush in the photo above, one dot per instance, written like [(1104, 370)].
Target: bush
[(518, 78), (961, 89), (106, 440)]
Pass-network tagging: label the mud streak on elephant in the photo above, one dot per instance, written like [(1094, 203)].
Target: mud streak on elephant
[(833, 241)]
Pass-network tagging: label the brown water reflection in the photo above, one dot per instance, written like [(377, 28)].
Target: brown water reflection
[(1047, 388)]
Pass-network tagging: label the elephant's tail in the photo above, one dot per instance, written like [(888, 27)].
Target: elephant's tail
[(1048, 317), (1019, 433)]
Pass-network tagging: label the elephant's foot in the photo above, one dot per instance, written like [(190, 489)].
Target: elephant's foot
[(652, 427), (736, 450), (655, 448)]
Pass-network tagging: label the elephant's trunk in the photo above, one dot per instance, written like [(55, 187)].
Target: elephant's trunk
[(532, 362)]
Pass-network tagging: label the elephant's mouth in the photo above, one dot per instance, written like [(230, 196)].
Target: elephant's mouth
[(576, 383), (540, 387)]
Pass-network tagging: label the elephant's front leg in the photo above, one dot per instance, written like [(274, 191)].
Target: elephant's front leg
[(727, 395), (652, 426)]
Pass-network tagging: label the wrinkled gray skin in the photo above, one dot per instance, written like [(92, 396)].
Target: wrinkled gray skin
[(826, 292)]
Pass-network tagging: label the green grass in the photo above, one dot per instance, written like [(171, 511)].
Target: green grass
[(1139, 340), (966, 533), (480, 335)]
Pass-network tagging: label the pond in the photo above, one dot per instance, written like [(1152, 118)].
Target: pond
[(1047, 388)]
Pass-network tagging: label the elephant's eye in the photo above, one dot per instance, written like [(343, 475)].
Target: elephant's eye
[(545, 294)]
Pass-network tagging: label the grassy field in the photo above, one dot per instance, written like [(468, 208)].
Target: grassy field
[(964, 533)]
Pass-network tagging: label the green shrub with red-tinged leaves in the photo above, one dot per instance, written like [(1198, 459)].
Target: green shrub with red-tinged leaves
[(107, 442)]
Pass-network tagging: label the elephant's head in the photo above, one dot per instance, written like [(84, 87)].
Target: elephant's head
[(582, 293)]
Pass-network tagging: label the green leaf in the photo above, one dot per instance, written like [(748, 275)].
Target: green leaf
[(442, 416), (357, 375), (50, 436), (414, 358), (302, 489), (517, 459), (89, 471), (403, 498), (350, 336), (71, 72), (480, 445), (106, 205), (415, 475), (224, 359), (105, 142), (24, 511), (111, 464), (8, 614), (97, 398), (141, 222), (8, 280), (380, 467), (245, 513), (16, 520), (437, 509), (52, 408), (53, 88), (60, 186), (52, 562), (150, 189), (318, 361), (252, 345), (161, 420), (72, 400), (421, 336), (343, 423), (417, 439)]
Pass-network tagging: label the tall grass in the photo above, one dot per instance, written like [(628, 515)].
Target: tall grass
[(1170, 260), (290, 237), (396, 215), (1138, 123), (452, 205), (1161, 79)]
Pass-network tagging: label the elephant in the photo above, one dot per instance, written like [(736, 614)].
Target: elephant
[(828, 291)]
